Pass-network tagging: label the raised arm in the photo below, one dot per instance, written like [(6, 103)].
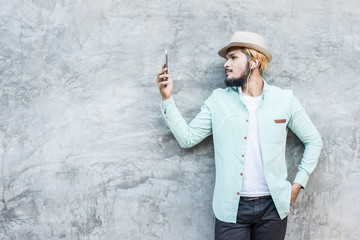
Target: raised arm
[(190, 134)]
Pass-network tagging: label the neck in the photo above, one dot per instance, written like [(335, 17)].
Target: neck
[(254, 86)]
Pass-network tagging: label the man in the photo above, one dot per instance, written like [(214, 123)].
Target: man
[(249, 121)]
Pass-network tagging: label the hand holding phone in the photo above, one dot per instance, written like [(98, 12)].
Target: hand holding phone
[(164, 80)]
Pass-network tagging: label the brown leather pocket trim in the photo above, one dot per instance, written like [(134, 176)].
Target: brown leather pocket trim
[(280, 120)]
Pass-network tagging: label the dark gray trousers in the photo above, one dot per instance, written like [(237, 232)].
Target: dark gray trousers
[(256, 220)]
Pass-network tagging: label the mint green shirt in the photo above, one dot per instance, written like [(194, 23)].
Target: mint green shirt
[(225, 115)]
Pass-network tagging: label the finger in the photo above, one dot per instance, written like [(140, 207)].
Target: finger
[(164, 76), (166, 81), (164, 84), (162, 71), (163, 67)]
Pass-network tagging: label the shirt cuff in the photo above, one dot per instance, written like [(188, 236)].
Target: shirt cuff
[(169, 105), (301, 178), (168, 102)]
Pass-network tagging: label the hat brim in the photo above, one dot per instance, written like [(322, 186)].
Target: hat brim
[(224, 50)]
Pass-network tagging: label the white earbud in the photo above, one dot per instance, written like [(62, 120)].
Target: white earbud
[(253, 65)]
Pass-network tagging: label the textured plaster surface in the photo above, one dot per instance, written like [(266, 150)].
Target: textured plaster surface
[(85, 153)]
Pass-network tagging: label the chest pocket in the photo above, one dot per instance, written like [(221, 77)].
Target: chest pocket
[(279, 129)]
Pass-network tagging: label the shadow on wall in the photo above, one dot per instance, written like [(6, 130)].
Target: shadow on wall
[(293, 154)]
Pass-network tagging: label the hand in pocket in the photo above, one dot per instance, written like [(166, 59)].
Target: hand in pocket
[(295, 189)]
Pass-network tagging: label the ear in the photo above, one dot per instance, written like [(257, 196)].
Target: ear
[(254, 63)]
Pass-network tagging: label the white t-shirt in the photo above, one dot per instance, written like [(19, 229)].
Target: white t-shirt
[(254, 182)]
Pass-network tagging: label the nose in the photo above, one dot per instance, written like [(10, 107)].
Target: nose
[(226, 64)]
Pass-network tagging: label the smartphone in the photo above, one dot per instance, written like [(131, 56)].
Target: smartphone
[(166, 62)]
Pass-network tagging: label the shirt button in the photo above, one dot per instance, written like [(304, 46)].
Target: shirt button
[(238, 193), (241, 174), (243, 155), (247, 120), (245, 137)]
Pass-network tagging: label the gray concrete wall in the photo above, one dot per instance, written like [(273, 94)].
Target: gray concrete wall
[(85, 153)]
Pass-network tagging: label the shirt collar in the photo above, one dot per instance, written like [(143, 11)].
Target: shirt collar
[(264, 89)]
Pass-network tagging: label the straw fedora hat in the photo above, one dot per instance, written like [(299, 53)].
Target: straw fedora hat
[(247, 40)]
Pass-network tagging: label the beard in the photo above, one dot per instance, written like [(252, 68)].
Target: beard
[(240, 81)]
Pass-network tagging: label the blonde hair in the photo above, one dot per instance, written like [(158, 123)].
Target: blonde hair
[(253, 54)]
